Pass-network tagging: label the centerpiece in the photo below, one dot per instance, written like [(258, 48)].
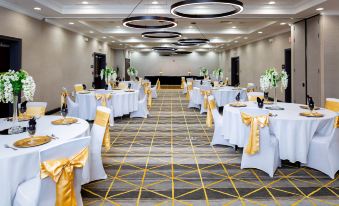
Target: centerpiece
[(12, 84), (270, 80), (218, 73), (204, 72), (132, 72), (108, 74)]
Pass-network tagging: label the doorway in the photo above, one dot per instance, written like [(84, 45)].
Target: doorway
[(288, 91), (99, 64), (10, 58), (235, 80)]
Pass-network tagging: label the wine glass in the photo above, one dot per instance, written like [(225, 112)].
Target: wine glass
[(129, 86), (31, 129), (64, 112), (311, 106), (23, 109)]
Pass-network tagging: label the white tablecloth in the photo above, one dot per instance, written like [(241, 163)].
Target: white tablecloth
[(121, 103), (223, 95), (293, 131), (23, 164)]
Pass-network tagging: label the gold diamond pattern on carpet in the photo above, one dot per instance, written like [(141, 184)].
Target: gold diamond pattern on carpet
[(167, 159)]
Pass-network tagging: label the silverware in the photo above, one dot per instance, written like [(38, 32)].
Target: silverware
[(10, 147)]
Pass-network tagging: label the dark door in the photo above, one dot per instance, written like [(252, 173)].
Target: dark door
[(10, 58), (235, 71), (99, 64), (288, 91), (127, 65)]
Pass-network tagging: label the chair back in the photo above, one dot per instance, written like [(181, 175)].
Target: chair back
[(252, 96), (36, 108), (264, 132), (333, 104), (78, 87), (99, 128), (72, 107), (65, 150), (216, 83), (122, 85), (214, 108)]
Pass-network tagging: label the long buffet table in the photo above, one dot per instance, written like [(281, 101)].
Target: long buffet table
[(169, 80)]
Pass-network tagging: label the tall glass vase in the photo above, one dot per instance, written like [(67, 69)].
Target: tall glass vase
[(275, 97), (15, 128)]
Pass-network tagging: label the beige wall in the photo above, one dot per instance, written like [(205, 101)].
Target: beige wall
[(256, 57), (55, 57)]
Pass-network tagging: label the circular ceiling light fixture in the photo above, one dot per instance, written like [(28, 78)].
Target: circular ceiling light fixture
[(198, 9), (178, 44), (164, 49), (149, 22), (161, 35), (182, 52), (193, 41)]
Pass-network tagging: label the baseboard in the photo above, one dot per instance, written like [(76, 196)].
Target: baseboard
[(53, 111)]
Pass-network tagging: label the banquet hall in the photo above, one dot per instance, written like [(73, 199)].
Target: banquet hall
[(169, 102)]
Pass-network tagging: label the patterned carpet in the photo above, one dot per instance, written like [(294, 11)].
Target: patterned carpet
[(167, 159)]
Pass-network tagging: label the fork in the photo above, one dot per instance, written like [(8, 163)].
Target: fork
[(9, 147)]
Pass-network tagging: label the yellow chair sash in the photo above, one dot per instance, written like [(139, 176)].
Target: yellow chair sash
[(209, 117), (103, 98), (35, 111), (205, 93), (254, 98), (102, 119), (334, 106), (254, 137), (182, 82), (149, 97), (78, 88), (158, 84), (189, 88), (61, 172), (250, 90)]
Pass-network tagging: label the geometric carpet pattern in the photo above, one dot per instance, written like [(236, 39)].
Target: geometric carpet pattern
[(167, 159)]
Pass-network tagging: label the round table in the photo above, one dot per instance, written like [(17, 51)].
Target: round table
[(121, 103), (18, 166), (294, 132), (226, 95)]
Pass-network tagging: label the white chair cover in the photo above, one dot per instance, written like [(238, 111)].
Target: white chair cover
[(218, 137), (184, 91), (154, 92), (267, 158), (73, 108), (142, 109), (97, 171), (42, 192)]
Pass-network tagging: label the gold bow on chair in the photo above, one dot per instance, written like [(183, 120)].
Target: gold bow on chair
[(158, 84), (78, 88), (334, 106), (254, 138), (102, 119), (148, 92), (103, 98), (61, 172), (209, 117), (182, 82), (189, 88), (205, 93)]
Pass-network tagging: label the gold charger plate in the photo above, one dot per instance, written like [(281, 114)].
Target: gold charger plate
[(65, 121), (92, 90), (84, 92), (306, 107), (129, 90), (309, 114), (32, 141), (268, 103), (238, 105), (116, 89)]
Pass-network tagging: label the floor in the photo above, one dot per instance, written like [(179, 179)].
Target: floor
[(167, 159)]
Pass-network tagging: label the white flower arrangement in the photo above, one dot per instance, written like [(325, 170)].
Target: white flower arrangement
[(13, 83), (132, 72), (218, 73), (271, 78), (203, 72), (108, 74)]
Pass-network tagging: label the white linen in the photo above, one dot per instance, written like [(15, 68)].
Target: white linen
[(294, 132), (121, 103), (226, 95), (23, 164)]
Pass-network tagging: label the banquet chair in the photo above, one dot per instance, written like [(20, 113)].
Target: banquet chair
[(154, 92), (323, 153), (105, 98), (36, 108), (98, 134), (122, 85), (252, 96), (189, 96), (204, 96), (216, 84), (218, 137), (78, 87), (142, 109), (41, 190), (267, 158), (184, 91), (182, 82), (250, 87), (73, 108)]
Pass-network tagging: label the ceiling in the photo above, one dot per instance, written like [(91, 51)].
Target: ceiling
[(102, 19)]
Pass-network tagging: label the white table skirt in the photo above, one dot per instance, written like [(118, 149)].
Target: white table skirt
[(23, 164), (293, 131), (121, 103), (222, 96)]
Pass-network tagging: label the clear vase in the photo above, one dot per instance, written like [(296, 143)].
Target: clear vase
[(16, 128), (275, 97)]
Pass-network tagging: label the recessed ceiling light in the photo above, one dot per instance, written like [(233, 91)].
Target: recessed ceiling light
[(112, 41), (282, 23), (37, 8), (235, 41), (320, 9), (260, 32), (155, 2), (84, 2), (271, 2), (104, 37), (91, 32), (71, 23), (245, 37), (120, 44), (234, 27)]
